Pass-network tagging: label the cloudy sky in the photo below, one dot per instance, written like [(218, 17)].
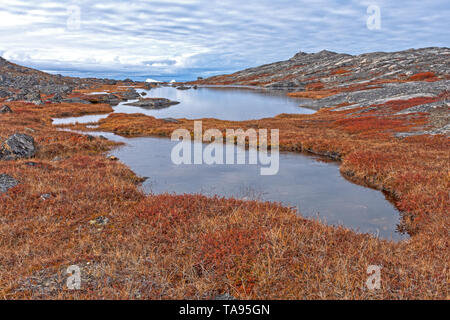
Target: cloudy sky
[(187, 38)]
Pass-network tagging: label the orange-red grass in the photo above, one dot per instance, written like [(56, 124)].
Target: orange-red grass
[(191, 246)]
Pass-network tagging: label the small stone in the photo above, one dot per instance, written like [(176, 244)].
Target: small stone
[(46, 196), (225, 296), (100, 221), (112, 158)]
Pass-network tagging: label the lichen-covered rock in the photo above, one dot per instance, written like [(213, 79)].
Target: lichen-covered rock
[(18, 146), (7, 182)]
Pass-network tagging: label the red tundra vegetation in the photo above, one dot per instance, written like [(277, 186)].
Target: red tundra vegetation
[(314, 86), (340, 71), (192, 246), (427, 76)]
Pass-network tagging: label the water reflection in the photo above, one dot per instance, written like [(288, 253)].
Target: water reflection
[(219, 102)]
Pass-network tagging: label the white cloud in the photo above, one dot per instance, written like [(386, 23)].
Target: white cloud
[(208, 36)]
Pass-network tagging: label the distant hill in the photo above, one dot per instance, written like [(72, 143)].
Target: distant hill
[(22, 83)]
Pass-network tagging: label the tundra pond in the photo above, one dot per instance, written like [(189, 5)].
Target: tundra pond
[(310, 184), (223, 103)]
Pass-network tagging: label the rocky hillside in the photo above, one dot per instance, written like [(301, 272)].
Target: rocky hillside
[(418, 77), (18, 83), (327, 69)]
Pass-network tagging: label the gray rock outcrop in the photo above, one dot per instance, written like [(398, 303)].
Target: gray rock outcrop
[(7, 182), (153, 103), (18, 146)]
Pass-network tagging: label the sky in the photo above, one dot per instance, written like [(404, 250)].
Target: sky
[(183, 39)]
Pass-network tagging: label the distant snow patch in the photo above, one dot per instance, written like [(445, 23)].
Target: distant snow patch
[(152, 81)]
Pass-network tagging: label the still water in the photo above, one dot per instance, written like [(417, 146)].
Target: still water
[(220, 103), (315, 187)]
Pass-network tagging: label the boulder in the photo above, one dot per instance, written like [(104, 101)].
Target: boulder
[(7, 182), (5, 109), (57, 98), (33, 97), (131, 94), (4, 93), (112, 100), (18, 146)]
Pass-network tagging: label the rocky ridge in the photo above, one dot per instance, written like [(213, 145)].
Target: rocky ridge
[(371, 81), (333, 69)]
